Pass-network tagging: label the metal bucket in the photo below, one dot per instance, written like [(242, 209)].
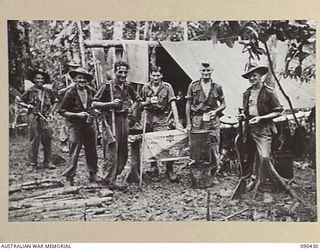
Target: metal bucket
[(199, 141)]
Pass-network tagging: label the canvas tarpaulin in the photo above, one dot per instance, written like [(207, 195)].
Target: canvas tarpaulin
[(138, 59), (228, 64), (166, 146)]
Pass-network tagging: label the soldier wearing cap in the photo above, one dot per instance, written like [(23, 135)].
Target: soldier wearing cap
[(60, 89), (261, 105), (205, 103), (39, 100), (115, 152), (76, 107)]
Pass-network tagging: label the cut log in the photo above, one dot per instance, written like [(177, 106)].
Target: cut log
[(36, 194), (38, 184), (58, 205), (106, 193), (59, 215), (33, 204), (96, 211), (19, 197), (59, 192)]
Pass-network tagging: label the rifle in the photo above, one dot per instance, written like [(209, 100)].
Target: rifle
[(99, 80), (113, 117), (35, 111), (43, 118), (239, 146)]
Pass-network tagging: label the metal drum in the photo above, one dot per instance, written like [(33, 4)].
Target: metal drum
[(199, 142)]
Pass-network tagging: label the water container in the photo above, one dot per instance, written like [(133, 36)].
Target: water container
[(199, 142)]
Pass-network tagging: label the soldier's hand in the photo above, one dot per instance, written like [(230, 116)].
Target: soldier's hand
[(117, 103), (144, 104), (188, 127), (83, 114), (254, 120), (212, 114)]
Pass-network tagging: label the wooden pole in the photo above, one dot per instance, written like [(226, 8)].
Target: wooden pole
[(96, 73), (208, 206), (144, 117), (116, 43)]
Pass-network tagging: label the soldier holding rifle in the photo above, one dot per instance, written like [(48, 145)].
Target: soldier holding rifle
[(39, 100), (116, 99)]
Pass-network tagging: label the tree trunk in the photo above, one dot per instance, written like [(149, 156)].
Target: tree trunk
[(117, 30), (117, 35), (137, 36), (146, 29), (185, 31), (81, 44)]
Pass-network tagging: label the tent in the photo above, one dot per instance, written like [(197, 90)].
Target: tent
[(229, 65), (180, 66)]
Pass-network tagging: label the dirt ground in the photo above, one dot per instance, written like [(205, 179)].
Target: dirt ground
[(40, 196)]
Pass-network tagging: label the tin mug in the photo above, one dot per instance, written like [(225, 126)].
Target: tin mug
[(206, 117), (154, 100)]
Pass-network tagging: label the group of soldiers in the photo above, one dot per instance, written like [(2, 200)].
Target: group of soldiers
[(79, 104)]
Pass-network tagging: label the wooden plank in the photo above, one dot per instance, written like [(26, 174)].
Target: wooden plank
[(118, 43)]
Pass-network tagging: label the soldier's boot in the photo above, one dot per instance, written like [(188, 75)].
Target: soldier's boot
[(94, 180)]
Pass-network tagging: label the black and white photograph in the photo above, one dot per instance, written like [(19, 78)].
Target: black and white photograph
[(193, 121)]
